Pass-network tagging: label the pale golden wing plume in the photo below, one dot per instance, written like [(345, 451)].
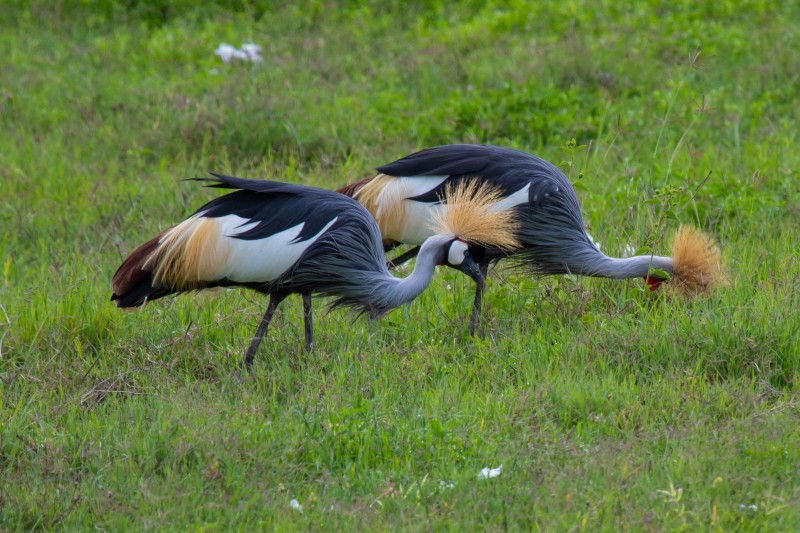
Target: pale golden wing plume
[(187, 254), (383, 202)]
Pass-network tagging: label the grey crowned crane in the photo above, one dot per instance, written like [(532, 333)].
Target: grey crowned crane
[(408, 192), (280, 239)]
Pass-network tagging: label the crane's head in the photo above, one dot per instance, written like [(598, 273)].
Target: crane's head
[(695, 266), (459, 256), (472, 224), (449, 250)]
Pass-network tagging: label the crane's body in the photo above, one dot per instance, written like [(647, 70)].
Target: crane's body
[(408, 192), (404, 206), (281, 239)]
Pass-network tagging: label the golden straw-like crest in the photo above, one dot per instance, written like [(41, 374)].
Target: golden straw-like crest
[(695, 262), (467, 213)]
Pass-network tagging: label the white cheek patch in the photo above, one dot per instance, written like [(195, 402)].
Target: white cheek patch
[(457, 252)]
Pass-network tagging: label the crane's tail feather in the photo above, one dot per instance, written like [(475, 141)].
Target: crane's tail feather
[(352, 189), (132, 284), (182, 258), (697, 268)]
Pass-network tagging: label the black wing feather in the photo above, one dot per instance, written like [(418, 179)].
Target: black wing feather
[(253, 201), (508, 169), (456, 159)]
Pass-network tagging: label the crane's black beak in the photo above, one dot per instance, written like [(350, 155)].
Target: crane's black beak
[(471, 269)]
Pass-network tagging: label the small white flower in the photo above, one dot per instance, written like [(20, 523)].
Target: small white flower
[(487, 473), (628, 251), (751, 507), (225, 52), (249, 52), (449, 287), (294, 504), (253, 52), (446, 484)]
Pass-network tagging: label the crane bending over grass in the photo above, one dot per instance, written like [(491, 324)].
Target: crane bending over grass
[(407, 193), (280, 239)]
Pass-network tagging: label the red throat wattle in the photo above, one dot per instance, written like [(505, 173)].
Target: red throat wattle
[(653, 282)]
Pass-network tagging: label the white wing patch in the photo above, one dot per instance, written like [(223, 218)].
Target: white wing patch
[(416, 186), (519, 197), (417, 222), (261, 260)]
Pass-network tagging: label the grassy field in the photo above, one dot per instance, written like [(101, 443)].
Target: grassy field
[(609, 407)]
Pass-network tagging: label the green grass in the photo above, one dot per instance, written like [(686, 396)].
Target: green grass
[(609, 407)]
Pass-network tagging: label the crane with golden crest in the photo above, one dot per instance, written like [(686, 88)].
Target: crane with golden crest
[(407, 194), (281, 239)]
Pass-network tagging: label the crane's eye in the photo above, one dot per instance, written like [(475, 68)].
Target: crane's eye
[(466, 253)]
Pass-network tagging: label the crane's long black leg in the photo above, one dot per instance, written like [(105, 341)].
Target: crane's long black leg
[(309, 321), (274, 300), (402, 258), (475, 315)]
